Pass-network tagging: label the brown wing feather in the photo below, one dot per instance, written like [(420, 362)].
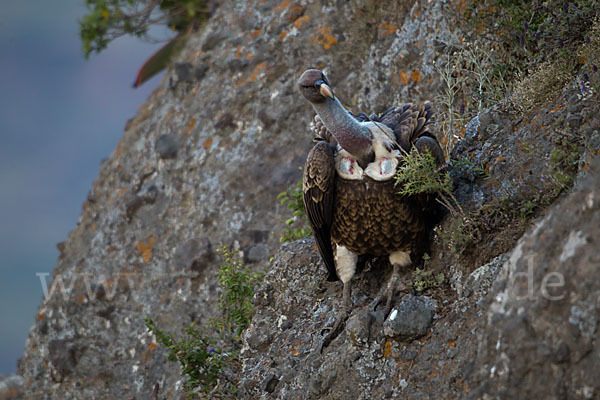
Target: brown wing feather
[(409, 122), (318, 187)]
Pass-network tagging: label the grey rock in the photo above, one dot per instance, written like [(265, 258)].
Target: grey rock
[(358, 326), (557, 311), (63, 355), (195, 255), (258, 253), (167, 146), (410, 318), (574, 121), (270, 383)]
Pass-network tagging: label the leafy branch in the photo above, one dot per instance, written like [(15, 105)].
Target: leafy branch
[(107, 20)]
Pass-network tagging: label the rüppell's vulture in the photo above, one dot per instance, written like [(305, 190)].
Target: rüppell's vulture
[(348, 184)]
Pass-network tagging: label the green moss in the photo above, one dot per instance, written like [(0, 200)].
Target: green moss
[(423, 279)]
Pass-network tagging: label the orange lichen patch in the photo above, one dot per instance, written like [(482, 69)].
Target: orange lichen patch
[(294, 350), (152, 346), (207, 143), (190, 126), (145, 249), (300, 21), (387, 349), (283, 34), (415, 76), (118, 149), (387, 28), (460, 7), (79, 299), (254, 34), (500, 159), (404, 78), (325, 38), (257, 70), (281, 6), (238, 52), (249, 56), (41, 316)]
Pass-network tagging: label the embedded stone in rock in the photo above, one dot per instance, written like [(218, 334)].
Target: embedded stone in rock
[(358, 326), (410, 318), (167, 146), (194, 254), (258, 253), (270, 383), (64, 356)]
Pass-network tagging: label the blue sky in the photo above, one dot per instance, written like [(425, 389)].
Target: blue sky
[(60, 115)]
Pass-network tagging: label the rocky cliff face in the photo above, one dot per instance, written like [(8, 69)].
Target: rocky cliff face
[(523, 326), (201, 164)]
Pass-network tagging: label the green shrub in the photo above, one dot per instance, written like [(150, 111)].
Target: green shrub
[(297, 226), (235, 302), (208, 355), (201, 360), (419, 174)]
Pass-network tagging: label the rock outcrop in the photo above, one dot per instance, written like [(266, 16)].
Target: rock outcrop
[(527, 317)]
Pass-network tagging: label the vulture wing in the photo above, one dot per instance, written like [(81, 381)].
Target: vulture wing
[(318, 185), (410, 124)]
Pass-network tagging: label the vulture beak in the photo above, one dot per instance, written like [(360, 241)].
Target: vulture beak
[(325, 90)]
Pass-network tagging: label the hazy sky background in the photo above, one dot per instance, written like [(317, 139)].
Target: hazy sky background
[(60, 115)]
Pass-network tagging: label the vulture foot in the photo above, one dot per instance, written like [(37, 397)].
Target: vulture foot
[(343, 315), (388, 292)]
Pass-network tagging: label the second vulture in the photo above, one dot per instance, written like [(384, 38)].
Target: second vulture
[(348, 184)]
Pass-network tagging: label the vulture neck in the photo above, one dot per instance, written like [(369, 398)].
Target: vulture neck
[(354, 137)]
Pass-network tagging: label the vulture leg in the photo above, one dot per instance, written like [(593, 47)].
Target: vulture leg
[(398, 259), (345, 266)]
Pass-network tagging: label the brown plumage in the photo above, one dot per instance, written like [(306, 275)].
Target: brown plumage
[(349, 196)]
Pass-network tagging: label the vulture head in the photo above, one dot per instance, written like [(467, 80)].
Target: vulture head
[(351, 135), (314, 86)]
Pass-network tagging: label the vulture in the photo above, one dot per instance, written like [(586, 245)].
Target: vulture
[(350, 197)]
